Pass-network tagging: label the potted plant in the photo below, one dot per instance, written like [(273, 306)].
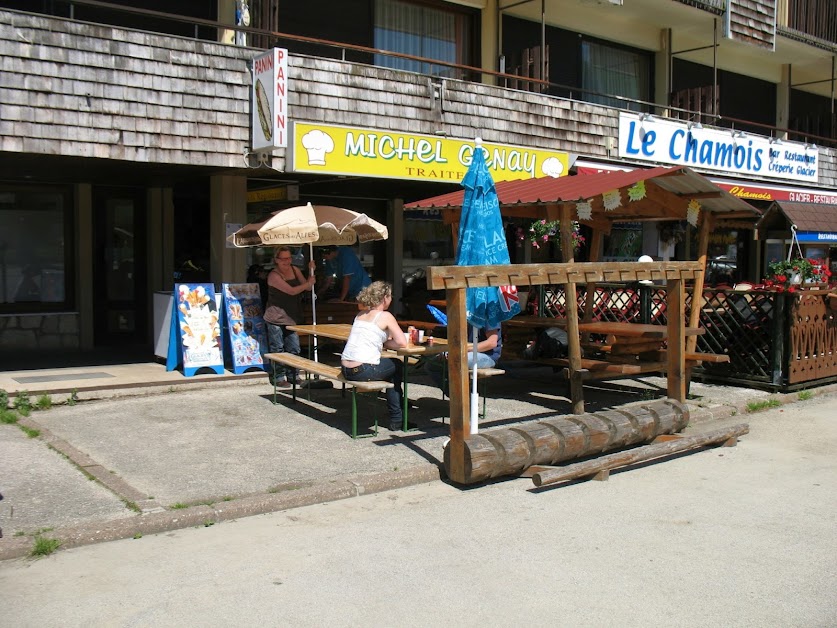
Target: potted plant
[(790, 275), (541, 232)]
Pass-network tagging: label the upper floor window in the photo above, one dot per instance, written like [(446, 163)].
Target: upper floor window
[(618, 71), (420, 30)]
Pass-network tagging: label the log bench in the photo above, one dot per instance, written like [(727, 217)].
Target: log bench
[(332, 373)]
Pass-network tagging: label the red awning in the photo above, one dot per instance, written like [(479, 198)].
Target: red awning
[(677, 183)]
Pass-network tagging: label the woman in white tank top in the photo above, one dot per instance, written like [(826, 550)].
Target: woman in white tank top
[(375, 329)]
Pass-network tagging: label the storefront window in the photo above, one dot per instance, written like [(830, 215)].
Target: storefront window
[(421, 31), (624, 244), (34, 250)]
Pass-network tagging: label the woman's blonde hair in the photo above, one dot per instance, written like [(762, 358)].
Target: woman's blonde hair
[(374, 294)]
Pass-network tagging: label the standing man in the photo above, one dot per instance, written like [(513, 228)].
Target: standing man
[(351, 276)]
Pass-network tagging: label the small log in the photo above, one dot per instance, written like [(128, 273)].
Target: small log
[(648, 452)]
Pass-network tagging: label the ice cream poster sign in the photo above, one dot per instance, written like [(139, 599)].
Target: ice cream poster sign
[(269, 101), (668, 141), (195, 338), (332, 149), (247, 334)]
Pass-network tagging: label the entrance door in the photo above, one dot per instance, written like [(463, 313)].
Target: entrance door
[(120, 286)]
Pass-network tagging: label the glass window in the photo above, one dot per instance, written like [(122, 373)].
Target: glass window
[(34, 249), (611, 70), (421, 31)]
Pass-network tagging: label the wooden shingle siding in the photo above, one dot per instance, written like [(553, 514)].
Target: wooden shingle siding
[(753, 22), (84, 90)]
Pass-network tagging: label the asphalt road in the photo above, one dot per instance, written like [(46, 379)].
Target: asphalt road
[(741, 536)]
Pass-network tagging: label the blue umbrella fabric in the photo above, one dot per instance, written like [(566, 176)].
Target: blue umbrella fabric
[(438, 314), (482, 240)]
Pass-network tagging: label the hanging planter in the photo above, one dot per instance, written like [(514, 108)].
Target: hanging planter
[(541, 232)]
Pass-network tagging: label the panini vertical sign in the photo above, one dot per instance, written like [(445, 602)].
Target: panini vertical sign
[(269, 105)]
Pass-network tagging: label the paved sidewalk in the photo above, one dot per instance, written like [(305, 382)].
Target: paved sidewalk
[(144, 451)]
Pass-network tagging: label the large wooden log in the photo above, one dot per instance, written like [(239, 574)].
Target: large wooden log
[(640, 454), (495, 453)]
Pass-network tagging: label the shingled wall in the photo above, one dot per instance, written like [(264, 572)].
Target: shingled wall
[(753, 22)]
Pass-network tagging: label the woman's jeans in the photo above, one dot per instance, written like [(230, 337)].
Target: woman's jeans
[(388, 370), (280, 340)]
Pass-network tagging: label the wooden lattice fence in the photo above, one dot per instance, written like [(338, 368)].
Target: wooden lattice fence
[(812, 343)]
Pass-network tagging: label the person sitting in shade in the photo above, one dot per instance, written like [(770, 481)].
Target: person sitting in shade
[(489, 348), (348, 270), (373, 330)]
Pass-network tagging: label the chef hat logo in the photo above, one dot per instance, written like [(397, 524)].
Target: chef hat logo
[(317, 144), (552, 167)]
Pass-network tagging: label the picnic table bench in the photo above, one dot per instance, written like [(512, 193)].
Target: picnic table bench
[(328, 372)]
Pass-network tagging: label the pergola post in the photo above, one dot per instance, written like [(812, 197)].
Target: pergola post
[(574, 372), (460, 410)]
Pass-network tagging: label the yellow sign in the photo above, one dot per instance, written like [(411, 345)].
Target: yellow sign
[(283, 193), (331, 149)]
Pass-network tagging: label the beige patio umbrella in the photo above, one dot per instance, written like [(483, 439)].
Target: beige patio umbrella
[(315, 225)]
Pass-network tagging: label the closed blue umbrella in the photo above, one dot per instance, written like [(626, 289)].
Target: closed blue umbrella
[(482, 241)]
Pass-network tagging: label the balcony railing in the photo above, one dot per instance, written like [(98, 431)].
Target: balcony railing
[(814, 18), (213, 30)]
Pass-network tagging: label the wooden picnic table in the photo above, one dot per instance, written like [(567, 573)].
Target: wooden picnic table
[(342, 331)]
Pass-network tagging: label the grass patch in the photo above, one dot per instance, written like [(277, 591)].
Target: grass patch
[(22, 403), (131, 505), (208, 523), (758, 406), (178, 506), (4, 399), (805, 395), (30, 432), (8, 417), (138, 535), (73, 398), (44, 402), (44, 546)]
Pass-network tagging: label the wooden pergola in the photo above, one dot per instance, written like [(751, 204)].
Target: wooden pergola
[(597, 201)]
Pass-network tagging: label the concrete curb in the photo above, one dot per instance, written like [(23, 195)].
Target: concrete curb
[(294, 495), (204, 516), (700, 414)]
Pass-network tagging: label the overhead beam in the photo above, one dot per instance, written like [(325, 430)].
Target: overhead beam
[(447, 277)]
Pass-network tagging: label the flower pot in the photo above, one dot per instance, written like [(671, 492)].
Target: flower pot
[(796, 278)]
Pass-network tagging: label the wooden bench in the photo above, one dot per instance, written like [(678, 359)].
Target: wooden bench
[(482, 376), (603, 369), (328, 372)]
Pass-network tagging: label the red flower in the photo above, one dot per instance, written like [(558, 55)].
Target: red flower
[(781, 278), (792, 289), (780, 288)]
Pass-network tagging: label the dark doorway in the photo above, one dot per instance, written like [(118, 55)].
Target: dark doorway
[(120, 303)]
